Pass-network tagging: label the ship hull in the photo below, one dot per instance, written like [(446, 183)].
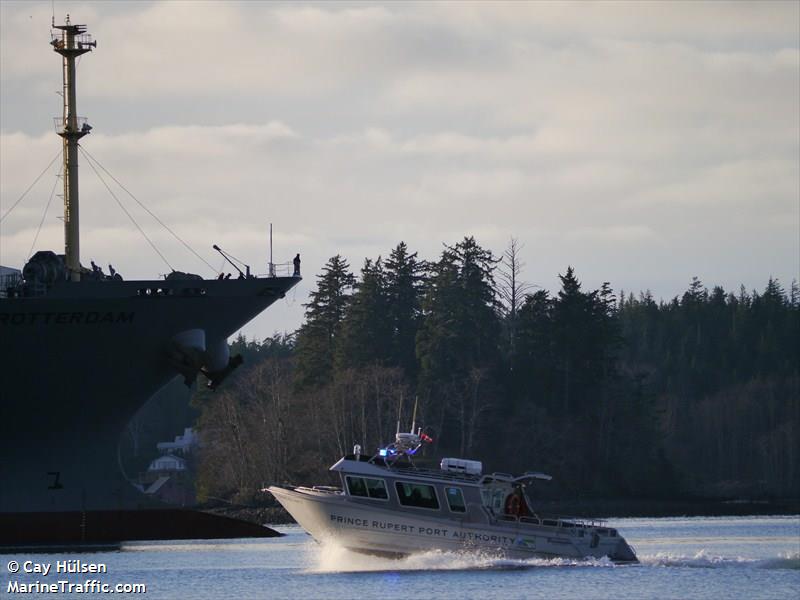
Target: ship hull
[(110, 527), (78, 364)]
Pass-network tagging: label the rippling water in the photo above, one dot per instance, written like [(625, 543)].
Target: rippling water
[(725, 557)]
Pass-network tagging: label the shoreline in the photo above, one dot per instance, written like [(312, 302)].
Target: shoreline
[(587, 508), (658, 508)]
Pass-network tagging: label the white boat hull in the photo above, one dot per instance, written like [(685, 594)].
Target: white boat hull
[(362, 527)]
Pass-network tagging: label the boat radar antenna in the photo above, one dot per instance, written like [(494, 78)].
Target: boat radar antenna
[(399, 413), (71, 42), (405, 443)]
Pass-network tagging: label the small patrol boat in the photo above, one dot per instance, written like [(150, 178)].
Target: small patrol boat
[(388, 506)]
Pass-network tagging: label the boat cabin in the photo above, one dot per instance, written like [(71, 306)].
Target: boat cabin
[(458, 490)]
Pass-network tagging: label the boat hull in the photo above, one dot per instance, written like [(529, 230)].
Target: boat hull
[(333, 518)]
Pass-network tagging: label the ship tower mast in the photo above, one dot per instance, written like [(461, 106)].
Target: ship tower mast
[(71, 43)]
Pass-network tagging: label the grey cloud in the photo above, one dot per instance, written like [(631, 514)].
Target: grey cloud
[(642, 143)]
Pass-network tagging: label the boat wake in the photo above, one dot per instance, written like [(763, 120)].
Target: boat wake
[(331, 558), (705, 560)]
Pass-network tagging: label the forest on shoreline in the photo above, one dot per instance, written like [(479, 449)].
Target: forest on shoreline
[(616, 396)]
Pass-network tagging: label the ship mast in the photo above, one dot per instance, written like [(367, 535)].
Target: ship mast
[(71, 43)]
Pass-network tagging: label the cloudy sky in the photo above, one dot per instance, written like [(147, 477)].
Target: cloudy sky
[(642, 143)]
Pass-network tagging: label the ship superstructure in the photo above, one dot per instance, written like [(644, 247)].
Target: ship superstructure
[(82, 351)]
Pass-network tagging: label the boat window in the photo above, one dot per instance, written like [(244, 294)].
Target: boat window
[(367, 488), (377, 489), (493, 498), (416, 494), (455, 499), (356, 486)]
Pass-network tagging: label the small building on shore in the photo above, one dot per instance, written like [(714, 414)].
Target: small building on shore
[(170, 476)]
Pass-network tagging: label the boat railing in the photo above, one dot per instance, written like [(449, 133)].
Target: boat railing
[(321, 489), (415, 471), (556, 522), (409, 468), (510, 518)]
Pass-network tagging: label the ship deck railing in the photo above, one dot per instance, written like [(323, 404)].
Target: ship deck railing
[(9, 284), (81, 39), (285, 269), (62, 124)]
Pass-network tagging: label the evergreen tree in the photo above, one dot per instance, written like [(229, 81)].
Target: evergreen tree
[(405, 280), (479, 307), (366, 332), (457, 344), (438, 339), (697, 395), (460, 327), (577, 336), (324, 314), (532, 360)]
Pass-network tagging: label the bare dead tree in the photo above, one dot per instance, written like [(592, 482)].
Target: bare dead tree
[(354, 407), (512, 288), (269, 403)]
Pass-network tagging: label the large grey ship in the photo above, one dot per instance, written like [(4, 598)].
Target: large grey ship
[(82, 351)]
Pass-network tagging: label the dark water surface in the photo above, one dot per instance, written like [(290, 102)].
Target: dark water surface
[(722, 557)]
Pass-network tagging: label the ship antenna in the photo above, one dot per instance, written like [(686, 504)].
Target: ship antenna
[(71, 42), (271, 264), (399, 411)]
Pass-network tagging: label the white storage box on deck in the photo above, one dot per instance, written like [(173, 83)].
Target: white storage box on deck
[(460, 465)]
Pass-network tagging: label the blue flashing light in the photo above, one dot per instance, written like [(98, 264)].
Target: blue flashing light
[(382, 452)]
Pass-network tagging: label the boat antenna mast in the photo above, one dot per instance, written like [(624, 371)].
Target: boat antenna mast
[(405, 444), (71, 42), (399, 413)]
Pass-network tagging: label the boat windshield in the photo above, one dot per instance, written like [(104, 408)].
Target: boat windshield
[(494, 497)]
